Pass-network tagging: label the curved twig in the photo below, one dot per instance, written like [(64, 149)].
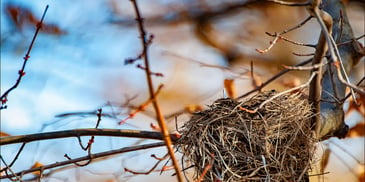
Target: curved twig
[(97, 155), (281, 73)]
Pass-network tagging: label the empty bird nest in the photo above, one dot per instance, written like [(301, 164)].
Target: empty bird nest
[(231, 142)]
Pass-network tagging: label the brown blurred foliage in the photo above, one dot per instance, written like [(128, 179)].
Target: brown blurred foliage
[(23, 17)]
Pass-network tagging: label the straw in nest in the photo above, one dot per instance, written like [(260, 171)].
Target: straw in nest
[(228, 143)]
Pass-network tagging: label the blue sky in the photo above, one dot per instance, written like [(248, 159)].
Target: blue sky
[(83, 69)]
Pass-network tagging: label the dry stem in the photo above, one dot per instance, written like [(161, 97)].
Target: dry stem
[(316, 85), (272, 79), (160, 118)]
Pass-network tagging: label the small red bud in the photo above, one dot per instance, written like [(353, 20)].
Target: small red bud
[(159, 74), (4, 100), (21, 72)]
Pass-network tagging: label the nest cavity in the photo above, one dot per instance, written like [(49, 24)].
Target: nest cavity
[(231, 142)]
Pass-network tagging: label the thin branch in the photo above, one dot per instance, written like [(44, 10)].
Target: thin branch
[(323, 18), (289, 90), (97, 155), (322, 46), (89, 144), (252, 75), (331, 112), (358, 84), (7, 168), (83, 132), (140, 108), (280, 94), (272, 43), (21, 72), (345, 162), (351, 86), (286, 3), (300, 54), (343, 70), (347, 151), (278, 35), (291, 41), (304, 68), (159, 160), (281, 73), (15, 158), (297, 26), (350, 41), (159, 116)]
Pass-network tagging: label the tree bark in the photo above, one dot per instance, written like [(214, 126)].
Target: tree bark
[(333, 90)]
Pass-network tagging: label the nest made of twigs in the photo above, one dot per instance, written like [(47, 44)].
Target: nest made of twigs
[(227, 142)]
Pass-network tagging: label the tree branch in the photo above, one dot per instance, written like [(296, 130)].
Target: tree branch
[(21, 72), (83, 132), (94, 156), (322, 46), (281, 73), (159, 116), (333, 90)]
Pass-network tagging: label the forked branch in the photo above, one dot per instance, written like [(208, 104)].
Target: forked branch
[(85, 158)]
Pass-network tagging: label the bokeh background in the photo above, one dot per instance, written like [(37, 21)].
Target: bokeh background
[(77, 65)]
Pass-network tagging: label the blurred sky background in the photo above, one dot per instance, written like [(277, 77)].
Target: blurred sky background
[(77, 65)]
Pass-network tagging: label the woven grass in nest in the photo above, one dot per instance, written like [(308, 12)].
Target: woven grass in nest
[(228, 143)]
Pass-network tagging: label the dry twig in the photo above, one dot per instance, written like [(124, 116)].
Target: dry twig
[(21, 72), (95, 156), (159, 116), (226, 143), (83, 132)]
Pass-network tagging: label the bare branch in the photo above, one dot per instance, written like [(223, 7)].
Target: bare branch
[(316, 85), (340, 77), (286, 3), (281, 93), (159, 160), (7, 168), (21, 72), (83, 132), (333, 89), (278, 35), (272, 43), (272, 79), (304, 68), (159, 116), (97, 155), (291, 41), (289, 90)]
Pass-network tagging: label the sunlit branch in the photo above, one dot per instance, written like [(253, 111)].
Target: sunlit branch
[(272, 79), (280, 94), (159, 116)]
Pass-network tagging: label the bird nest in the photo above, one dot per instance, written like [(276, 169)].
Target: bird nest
[(231, 142)]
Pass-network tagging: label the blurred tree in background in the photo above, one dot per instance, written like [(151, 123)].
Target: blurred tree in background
[(86, 70)]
